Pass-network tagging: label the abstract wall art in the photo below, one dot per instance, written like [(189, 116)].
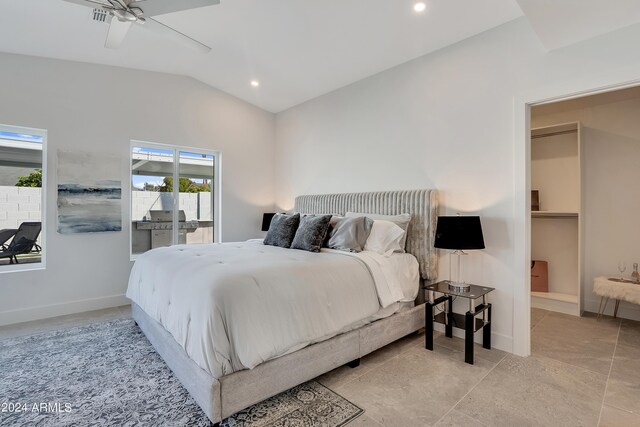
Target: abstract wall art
[(89, 193)]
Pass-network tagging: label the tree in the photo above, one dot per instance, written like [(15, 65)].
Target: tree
[(34, 180), (185, 185)]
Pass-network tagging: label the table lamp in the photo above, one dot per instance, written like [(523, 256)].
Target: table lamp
[(266, 220), (458, 233)]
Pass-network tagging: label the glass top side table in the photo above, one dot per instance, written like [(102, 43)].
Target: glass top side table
[(468, 321)]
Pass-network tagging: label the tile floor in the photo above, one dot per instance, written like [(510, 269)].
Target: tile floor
[(583, 372)]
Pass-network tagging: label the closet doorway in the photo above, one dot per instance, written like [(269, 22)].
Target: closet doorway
[(585, 198)]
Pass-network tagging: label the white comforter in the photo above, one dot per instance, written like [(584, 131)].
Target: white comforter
[(232, 306)]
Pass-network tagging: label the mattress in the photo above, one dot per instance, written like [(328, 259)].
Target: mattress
[(232, 306)]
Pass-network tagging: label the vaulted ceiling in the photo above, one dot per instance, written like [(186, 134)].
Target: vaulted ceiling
[(296, 49), (560, 23)]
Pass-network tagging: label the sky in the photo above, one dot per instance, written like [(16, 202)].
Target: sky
[(21, 137), (139, 180)]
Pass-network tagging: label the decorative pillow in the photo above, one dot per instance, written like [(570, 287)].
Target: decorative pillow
[(350, 234), (282, 230), (385, 238), (401, 220), (311, 232)]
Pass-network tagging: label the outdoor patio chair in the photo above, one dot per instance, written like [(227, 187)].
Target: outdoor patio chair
[(5, 235), (24, 241)]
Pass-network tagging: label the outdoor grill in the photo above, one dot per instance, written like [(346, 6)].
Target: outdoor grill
[(160, 223)]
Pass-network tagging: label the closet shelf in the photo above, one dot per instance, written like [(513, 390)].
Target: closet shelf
[(555, 301), (564, 128), (556, 296), (554, 214)]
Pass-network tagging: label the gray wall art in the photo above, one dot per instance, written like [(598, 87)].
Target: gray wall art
[(89, 193)]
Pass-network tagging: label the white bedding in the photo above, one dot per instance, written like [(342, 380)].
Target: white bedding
[(232, 306)]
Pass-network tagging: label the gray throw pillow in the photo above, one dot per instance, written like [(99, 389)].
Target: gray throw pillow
[(311, 232), (332, 225), (401, 220), (282, 230), (350, 234)]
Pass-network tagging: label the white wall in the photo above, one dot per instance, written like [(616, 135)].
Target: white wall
[(555, 240), (194, 205), (555, 172), (611, 191), (19, 204), (443, 121), (100, 109)]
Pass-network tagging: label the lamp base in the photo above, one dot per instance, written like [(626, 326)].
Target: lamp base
[(459, 287)]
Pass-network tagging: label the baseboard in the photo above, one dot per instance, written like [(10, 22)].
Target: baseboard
[(498, 340), (54, 310), (566, 307)]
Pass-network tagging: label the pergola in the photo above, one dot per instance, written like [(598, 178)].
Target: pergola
[(20, 153), (161, 164)]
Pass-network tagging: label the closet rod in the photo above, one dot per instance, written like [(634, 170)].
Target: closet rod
[(561, 132)]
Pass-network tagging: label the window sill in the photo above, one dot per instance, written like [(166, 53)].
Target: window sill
[(13, 268)]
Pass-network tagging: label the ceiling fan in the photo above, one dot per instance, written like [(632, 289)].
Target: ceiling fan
[(124, 13)]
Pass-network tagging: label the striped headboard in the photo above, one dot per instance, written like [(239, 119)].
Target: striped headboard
[(421, 204)]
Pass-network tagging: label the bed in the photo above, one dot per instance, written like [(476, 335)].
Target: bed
[(339, 317)]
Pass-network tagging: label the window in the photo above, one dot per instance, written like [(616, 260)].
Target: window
[(22, 198), (175, 196)]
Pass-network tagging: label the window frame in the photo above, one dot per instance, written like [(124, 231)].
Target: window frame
[(12, 268), (217, 187)]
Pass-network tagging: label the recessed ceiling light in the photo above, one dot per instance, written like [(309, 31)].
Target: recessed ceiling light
[(255, 83), (419, 7)]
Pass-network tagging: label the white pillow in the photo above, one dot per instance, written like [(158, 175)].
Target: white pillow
[(385, 238)]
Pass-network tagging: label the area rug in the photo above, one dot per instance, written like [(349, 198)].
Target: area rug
[(108, 374)]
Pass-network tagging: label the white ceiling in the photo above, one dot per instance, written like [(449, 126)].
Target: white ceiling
[(297, 49), (559, 23)]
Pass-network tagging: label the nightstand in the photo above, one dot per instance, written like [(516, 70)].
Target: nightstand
[(468, 321)]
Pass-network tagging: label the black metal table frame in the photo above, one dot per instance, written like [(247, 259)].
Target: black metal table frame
[(471, 324)]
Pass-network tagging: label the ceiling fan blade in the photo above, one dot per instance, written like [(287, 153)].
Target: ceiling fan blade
[(118, 4), (165, 29), (91, 3), (117, 32), (160, 7)]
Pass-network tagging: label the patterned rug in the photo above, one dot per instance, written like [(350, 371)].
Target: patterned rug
[(108, 374)]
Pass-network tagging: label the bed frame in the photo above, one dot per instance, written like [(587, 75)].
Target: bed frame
[(220, 398)]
